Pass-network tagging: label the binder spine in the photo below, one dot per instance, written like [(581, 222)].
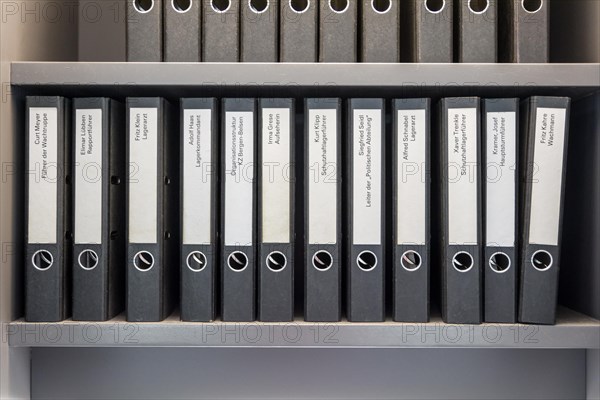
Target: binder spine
[(182, 30), (524, 31), (199, 208), (431, 30), (544, 168), (366, 210), (260, 31), (48, 217), (380, 31), (98, 202), (152, 211), (411, 169), (500, 159), (323, 194), (338, 21), (238, 219), (276, 210), (220, 31), (299, 37), (461, 210), (145, 30), (476, 36)]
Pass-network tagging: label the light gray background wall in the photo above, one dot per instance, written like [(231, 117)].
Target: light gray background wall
[(308, 373)]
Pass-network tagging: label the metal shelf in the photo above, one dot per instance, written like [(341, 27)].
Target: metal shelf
[(573, 330), (250, 79)]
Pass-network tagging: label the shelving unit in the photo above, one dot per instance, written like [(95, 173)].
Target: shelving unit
[(563, 360)]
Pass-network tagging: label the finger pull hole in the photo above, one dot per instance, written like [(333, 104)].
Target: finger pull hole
[(339, 6), (532, 6), (381, 6), (181, 6), (435, 6), (143, 6), (115, 180), (220, 6), (299, 6), (478, 6), (258, 6)]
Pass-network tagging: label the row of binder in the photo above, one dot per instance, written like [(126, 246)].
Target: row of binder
[(484, 31), (146, 205)]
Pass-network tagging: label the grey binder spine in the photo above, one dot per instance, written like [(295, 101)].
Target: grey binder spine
[(500, 121), (48, 209), (477, 31), (152, 209), (182, 30), (276, 209), (199, 208), (428, 31), (238, 216), (221, 30), (524, 31), (323, 199), (460, 161), (411, 193), (259, 31), (299, 35), (338, 30), (99, 173), (145, 30), (380, 31), (544, 151)]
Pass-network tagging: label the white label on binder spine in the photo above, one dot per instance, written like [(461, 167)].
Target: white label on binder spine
[(276, 171), (462, 175), (88, 176), (198, 172), (411, 184), (366, 182), (547, 177), (322, 176), (501, 158), (43, 174), (143, 175), (239, 176)]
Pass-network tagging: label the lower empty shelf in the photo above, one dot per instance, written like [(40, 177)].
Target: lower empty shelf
[(573, 330)]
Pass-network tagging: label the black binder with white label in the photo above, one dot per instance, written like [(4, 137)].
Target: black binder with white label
[(366, 210), (276, 122), (99, 173), (545, 127), (238, 216), (48, 209), (323, 200), (199, 208), (500, 120), (152, 208), (411, 193), (460, 214)]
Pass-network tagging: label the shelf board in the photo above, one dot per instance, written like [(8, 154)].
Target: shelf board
[(573, 330), (77, 78)]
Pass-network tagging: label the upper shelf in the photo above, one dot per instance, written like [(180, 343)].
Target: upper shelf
[(303, 79), (573, 330)]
